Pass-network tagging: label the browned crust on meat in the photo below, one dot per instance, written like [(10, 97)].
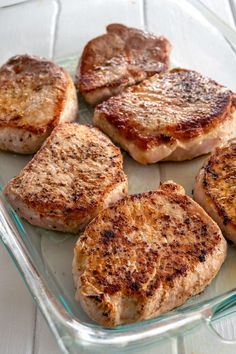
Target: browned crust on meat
[(23, 73), (218, 180), (90, 166), (181, 104), (115, 236), (121, 47), (142, 244)]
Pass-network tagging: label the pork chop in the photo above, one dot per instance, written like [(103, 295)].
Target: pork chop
[(35, 96), (145, 255), (215, 188), (121, 57), (173, 116), (76, 173)]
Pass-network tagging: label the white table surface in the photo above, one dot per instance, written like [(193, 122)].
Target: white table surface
[(22, 328)]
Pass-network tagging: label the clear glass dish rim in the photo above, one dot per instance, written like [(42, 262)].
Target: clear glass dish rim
[(62, 322), (59, 319)]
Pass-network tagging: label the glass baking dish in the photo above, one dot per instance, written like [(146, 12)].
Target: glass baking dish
[(200, 41)]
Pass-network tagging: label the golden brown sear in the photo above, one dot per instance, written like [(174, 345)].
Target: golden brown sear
[(145, 255), (35, 96), (173, 116), (215, 188), (120, 58), (77, 172)]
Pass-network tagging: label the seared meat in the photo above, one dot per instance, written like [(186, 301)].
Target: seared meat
[(145, 255), (174, 116), (215, 188), (76, 173), (35, 96), (120, 58)]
